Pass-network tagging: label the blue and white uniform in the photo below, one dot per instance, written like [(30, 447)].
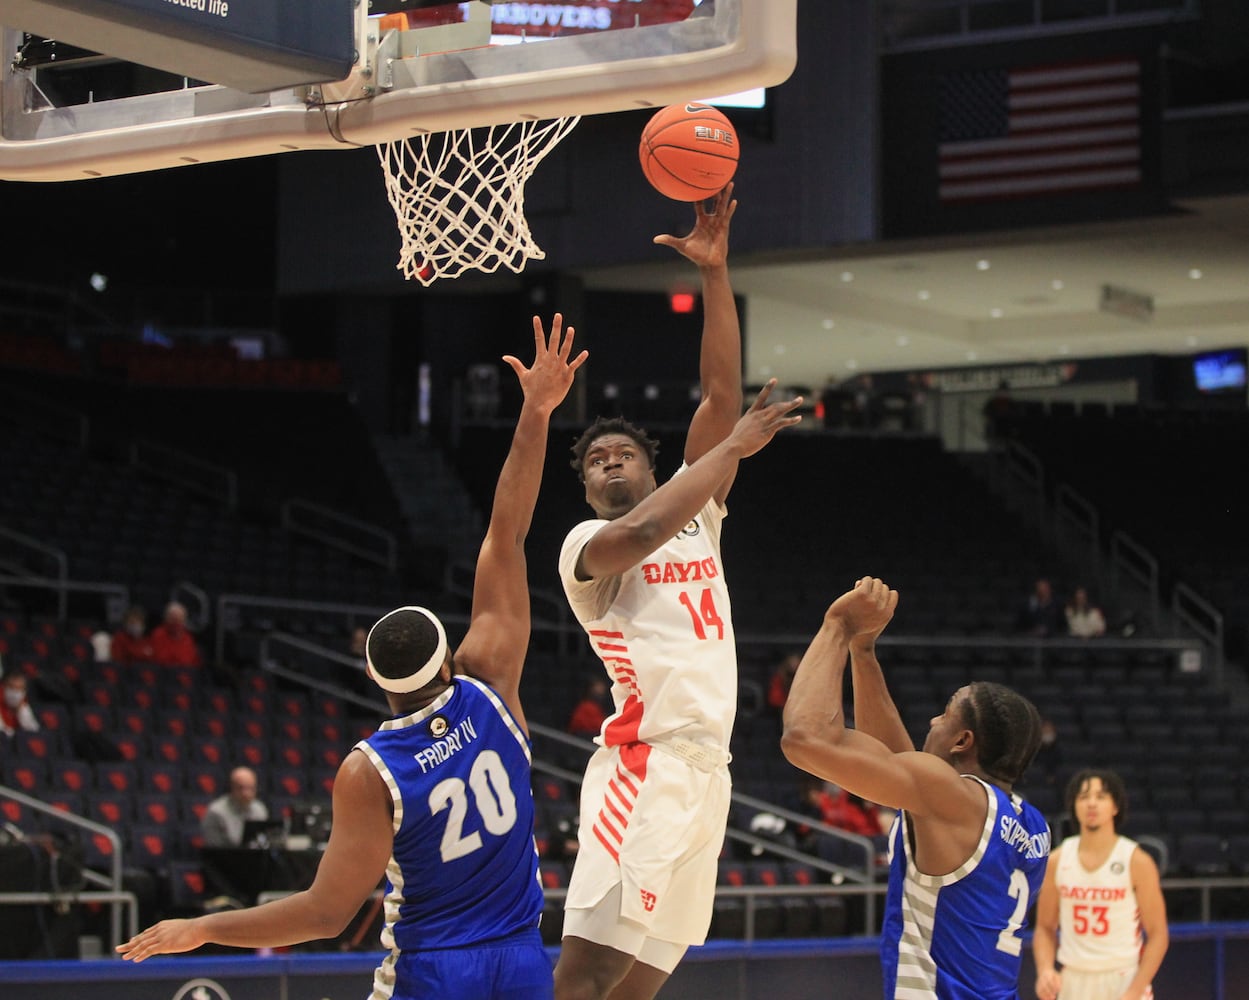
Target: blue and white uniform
[(463, 899), (958, 936)]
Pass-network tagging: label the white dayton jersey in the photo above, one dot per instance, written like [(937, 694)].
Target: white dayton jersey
[(1099, 924), (664, 631)]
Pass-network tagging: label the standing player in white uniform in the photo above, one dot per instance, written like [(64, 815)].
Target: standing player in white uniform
[(1101, 892), (646, 582)]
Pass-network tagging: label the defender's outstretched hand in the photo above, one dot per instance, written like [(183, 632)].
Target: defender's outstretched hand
[(760, 423), (164, 938), (707, 244), (547, 382)]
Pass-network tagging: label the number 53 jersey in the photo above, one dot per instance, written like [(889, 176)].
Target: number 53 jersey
[(464, 867), (1099, 923), (664, 631)]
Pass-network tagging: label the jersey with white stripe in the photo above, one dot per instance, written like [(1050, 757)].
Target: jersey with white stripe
[(664, 631), (464, 866), (958, 936), (1099, 923)]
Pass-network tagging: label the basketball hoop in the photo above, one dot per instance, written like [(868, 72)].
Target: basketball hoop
[(459, 196)]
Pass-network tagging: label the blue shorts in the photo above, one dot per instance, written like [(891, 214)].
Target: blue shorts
[(513, 968)]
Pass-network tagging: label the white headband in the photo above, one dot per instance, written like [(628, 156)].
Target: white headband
[(414, 681)]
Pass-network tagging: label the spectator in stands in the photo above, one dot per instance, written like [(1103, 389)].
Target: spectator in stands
[(357, 680), (223, 821), (172, 644), (866, 402), (589, 714), (782, 677), (359, 639), (15, 710), (1048, 762), (997, 409), (1041, 614), (101, 646), (1084, 618), (836, 807), (131, 643)]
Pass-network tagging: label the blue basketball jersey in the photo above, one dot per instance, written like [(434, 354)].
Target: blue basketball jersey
[(958, 936), (464, 867)]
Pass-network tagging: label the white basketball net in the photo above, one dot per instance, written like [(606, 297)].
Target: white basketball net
[(459, 196)]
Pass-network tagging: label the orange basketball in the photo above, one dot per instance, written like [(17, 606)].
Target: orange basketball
[(688, 151)]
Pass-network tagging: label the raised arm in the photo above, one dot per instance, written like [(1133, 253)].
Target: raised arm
[(630, 538), (874, 710), (494, 647), (720, 353), (815, 737)]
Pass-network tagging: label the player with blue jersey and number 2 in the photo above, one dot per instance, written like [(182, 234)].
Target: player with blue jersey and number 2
[(966, 856), (438, 800)]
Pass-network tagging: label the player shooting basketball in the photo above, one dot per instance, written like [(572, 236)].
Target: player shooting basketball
[(646, 582)]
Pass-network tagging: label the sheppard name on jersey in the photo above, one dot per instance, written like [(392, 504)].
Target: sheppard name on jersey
[(1030, 845), (441, 750), (701, 569), (1092, 892)]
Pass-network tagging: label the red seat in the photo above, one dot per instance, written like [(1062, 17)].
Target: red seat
[(29, 776), (328, 756), (99, 850), (172, 722), (14, 812), (323, 781), (158, 777), (251, 753), (290, 755), (53, 716), (290, 705), (205, 779), (213, 725), (135, 721), (291, 782), (155, 809), (168, 749), (214, 752), (120, 778), (554, 874), (109, 809), (252, 726), (94, 718), (218, 700), (193, 809), (71, 775), (42, 744), (66, 802), (151, 846), (132, 748), (186, 885), (99, 692)]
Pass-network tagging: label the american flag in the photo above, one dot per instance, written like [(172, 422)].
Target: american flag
[(1042, 130)]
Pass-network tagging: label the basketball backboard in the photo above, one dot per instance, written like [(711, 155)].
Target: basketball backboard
[(416, 71), (252, 47)]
